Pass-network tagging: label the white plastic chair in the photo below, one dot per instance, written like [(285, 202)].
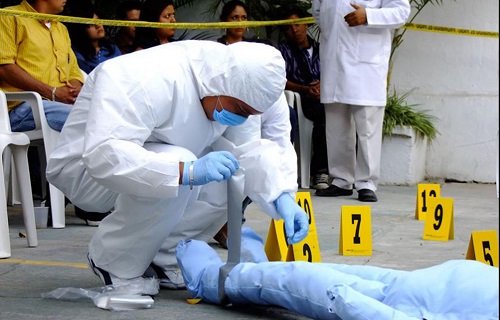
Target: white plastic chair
[(17, 143), (43, 133), (305, 127), (498, 152)]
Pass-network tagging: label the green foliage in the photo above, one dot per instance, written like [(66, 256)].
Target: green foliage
[(398, 113)]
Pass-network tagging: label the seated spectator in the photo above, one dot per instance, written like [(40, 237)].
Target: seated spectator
[(89, 42), (233, 11), (129, 10), (301, 54), (155, 11), (37, 56)]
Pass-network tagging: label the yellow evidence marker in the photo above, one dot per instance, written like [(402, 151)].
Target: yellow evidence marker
[(439, 223), (355, 231), (424, 192), (483, 247), (277, 248)]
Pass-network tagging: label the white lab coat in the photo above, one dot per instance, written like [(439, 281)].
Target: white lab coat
[(354, 65), (139, 115), (354, 60)]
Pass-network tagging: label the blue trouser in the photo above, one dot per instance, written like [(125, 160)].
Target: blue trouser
[(21, 117)]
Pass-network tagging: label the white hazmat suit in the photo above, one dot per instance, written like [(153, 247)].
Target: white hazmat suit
[(139, 115)]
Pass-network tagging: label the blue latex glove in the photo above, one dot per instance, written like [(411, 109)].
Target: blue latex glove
[(296, 221), (215, 166)]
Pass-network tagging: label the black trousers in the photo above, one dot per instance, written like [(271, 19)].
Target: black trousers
[(315, 111)]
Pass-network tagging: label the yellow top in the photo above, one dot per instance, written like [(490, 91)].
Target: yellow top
[(44, 52)]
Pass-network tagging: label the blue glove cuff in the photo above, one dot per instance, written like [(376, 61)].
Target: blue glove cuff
[(283, 197)]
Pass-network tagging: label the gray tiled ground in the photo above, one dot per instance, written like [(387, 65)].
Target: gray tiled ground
[(397, 243)]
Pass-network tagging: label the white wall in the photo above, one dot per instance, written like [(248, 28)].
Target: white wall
[(456, 78)]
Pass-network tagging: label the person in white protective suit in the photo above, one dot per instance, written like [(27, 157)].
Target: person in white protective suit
[(152, 137), (455, 289)]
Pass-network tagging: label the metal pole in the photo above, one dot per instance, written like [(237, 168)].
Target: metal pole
[(234, 220)]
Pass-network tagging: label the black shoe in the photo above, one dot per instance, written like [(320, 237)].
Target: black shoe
[(333, 191), (91, 218), (367, 195)]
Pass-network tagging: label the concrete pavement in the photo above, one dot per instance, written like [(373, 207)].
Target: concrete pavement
[(60, 258)]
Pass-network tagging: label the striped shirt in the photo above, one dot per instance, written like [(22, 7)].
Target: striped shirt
[(44, 53)]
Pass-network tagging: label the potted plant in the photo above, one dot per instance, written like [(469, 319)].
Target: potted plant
[(406, 134), (399, 114)]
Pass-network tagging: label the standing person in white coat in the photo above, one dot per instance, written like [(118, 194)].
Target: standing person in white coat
[(356, 39), (146, 137)]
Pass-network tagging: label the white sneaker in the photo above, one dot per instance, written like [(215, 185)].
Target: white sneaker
[(138, 285), (169, 279), (91, 223), (319, 181), (174, 280)]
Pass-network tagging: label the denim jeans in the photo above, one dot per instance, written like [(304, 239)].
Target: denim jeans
[(21, 117)]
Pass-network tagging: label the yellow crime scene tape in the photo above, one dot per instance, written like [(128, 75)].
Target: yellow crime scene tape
[(223, 25), (462, 32), (176, 25)]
